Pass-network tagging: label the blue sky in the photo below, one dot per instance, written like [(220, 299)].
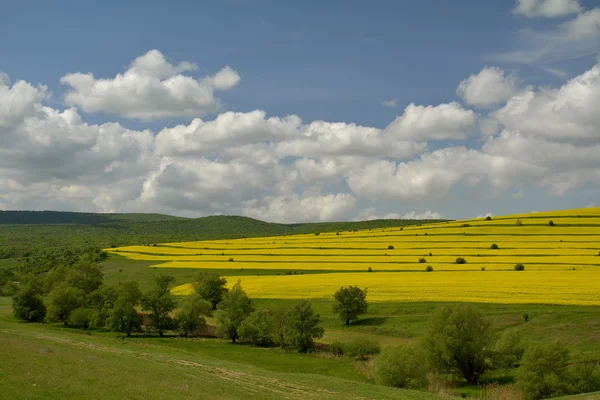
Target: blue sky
[(334, 61)]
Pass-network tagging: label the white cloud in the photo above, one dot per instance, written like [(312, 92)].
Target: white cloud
[(575, 38), (150, 88), (487, 88), (547, 8), (442, 122), (370, 214), (392, 103)]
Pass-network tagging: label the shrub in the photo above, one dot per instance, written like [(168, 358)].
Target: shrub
[(349, 303), (460, 260), (336, 348), (488, 218), (544, 373), (80, 318), (390, 247), (370, 269), (190, 316), (526, 317), (551, 223), (401, 366), (509, 349), (362, 348), (483, 268), (63, 300), (317, 233), (459, 340), (585, 377), (519, 267), (422, 260), (231, 259), (28, 304), (494, 246), (429, 268), (519, 222), (258, 328)]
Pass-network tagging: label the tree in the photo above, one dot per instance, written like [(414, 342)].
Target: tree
[(459, 341), (280, 316), (232, 311), (63, 300), (259, 328), (80, 318), (190, 316), (508, 349), (303, 326), (211, 287), (401, 366), (349, 303), (543, 372), (28, 304), (123, 316), (84, 275), (159, 303)]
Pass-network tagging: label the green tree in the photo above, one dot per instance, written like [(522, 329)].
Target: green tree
[(211, 287), (508, 349), (543, 371), (28, 304), (280, 315), (159, 303), (259, 328), (349, 303), (84, 275), (303, 326), (401, 366), (80, 318), (232, 311), (459, 341), (63, 300), (190, 316), (123, 316)]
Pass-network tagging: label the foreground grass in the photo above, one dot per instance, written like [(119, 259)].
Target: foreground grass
[(57, 363)]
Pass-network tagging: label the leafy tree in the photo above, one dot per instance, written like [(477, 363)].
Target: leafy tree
[(259, 328), (130, 290), (585, 377), (84, 275), (211, 287), (494, 246), (123, 316), (159, 302), (232, 311), (461, 260), (543, 372), (303, 326), (80, 318), (519, 267), (349, 303), (280, 316), (190, 316), (63, 300), (509, 349), (28, 304), (401, 366), (459, 341)]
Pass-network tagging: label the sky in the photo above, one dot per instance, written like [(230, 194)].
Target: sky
[(300, 111)]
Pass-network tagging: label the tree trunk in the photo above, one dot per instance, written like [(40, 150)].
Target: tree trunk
[(347, 321)]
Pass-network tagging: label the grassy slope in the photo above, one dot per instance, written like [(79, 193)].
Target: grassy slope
[(58, 363)]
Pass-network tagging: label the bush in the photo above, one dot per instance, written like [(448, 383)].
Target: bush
[(585, 377), (543, 373), (519, 222), (317, 233), (519, 267), (459, 340), (258, 328), (349, 303), (336, 348), (362, 348), (422, 260), (460, 260), (429, 268), (63, 300), (551, 223), (509, 349), (488, 218), (401, 366), (370, 269), (494, 246), (28, 304), (80, 318), (190, 316), (526, 317), (390, 247)]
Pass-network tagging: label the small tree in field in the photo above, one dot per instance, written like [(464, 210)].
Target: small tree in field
[(159, 303), (543, 373), (303, 326), (211, 287), (401, 366), (349, 303), (459, 340), (550, 223), (190, 317), (259, 328), (28, 304), (123, 317), (63, 300), (232, 311)]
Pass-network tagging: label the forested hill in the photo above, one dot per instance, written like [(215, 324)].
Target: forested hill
[(28, 233)]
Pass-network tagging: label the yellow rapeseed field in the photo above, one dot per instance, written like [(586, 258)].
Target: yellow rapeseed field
[(562, 262)]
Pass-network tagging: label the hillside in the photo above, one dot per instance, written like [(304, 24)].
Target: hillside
[(26, 233)]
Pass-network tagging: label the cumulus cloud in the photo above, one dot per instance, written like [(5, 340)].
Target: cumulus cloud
[(370, 214), (487, 88), (150, 88), (547, 8), (442, 122)]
